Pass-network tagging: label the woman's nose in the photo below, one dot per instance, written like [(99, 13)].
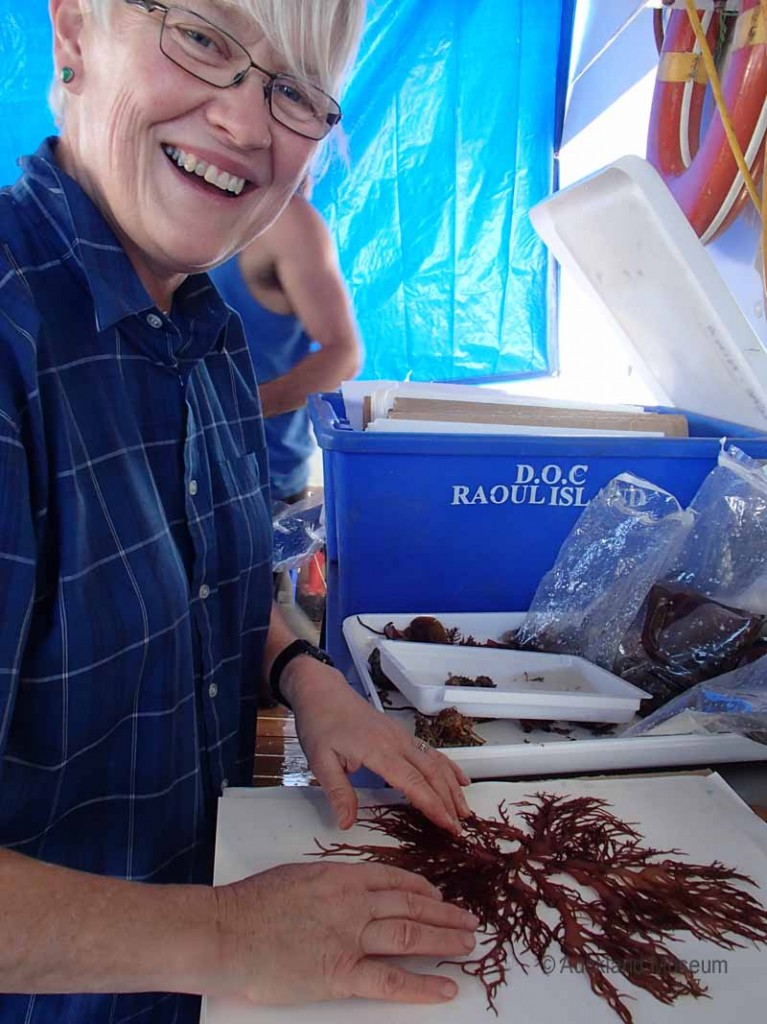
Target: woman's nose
[(242, 111)]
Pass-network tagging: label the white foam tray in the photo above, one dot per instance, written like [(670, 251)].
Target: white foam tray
[(509, 749), (528, 685)]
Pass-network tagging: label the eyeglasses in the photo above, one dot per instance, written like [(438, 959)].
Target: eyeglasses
[(211, 55)]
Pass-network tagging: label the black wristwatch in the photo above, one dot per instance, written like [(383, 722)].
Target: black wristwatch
[(292, 651)]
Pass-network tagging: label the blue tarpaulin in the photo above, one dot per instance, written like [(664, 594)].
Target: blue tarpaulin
[(26, 69), (452, 115)]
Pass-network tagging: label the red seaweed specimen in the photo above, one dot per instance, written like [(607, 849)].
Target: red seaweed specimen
[(628, 901)]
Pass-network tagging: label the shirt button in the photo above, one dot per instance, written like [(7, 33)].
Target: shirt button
[(204, 591), (154, 320), (212, 690), (193, 487)]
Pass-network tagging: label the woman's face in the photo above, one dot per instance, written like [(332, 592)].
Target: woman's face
[(130, 114)]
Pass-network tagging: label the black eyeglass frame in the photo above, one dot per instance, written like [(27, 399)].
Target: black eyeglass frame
[(332, 117)]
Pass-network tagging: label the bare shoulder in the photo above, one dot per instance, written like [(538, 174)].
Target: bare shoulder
[(301, 226), (299, 235)]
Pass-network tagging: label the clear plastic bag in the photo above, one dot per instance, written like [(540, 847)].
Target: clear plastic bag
[(707, 613), (725, 554), (680, 638), (732, 703), (299, 532), (627, 536)]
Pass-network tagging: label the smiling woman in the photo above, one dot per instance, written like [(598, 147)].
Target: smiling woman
[(317, 41), (238, 103), (135, 543)]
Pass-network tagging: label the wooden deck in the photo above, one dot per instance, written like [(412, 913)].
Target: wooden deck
[(279, 759)]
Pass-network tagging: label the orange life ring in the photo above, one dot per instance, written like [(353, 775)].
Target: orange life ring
[(702, 172)]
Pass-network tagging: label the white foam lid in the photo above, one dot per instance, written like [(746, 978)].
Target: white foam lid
[(621, 233)]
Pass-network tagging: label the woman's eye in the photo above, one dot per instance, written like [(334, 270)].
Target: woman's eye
[(201, 40), (293, 94)]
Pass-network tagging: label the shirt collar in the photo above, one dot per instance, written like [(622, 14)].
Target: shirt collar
[(98, 255)]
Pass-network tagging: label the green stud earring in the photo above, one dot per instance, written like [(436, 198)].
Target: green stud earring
[(67, 74)]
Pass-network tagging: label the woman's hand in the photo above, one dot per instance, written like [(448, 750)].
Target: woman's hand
[(302, 933), (340, 732)]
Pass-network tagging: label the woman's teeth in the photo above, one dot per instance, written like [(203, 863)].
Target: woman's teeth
[(208, 172)]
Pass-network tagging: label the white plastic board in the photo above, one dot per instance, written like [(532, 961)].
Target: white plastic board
[(527, 684), (511, 750), (259, 829), (623, 236)]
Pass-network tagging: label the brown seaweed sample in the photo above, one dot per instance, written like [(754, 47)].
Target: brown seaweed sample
[(423, 629), (483, 682), (381, 681), (629, 901), (449, 728), (426, 629)]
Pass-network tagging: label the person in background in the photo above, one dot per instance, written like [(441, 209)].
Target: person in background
[(287, 287), (135, 544)]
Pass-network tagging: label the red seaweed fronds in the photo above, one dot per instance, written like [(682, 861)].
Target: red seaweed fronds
[(627, 903)]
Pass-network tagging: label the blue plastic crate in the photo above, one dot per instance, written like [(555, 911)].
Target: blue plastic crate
[(448, 522)]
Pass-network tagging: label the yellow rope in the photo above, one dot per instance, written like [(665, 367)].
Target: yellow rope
[(716, 87)]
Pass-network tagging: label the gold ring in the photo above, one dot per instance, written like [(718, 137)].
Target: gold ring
[(421, 746)]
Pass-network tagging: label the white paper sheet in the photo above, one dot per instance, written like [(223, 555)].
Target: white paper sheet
[(259, 829), (382, 394), (384, 426)]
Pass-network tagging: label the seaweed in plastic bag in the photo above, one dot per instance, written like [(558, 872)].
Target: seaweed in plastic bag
[(623, 542), (707, 616), (725, 554), (681, 638)]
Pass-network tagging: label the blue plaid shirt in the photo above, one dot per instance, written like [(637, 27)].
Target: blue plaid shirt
[(135, 574)]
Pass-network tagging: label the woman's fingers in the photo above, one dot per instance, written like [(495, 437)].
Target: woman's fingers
[(416, 907), (331, 776), (376, 979), (405, 923), (402, 937), (440, 771), (427, 779)]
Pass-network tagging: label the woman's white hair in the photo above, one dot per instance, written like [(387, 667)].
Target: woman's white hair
[(317, 39)]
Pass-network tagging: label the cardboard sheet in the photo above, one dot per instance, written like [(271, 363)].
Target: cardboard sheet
[(701, 816)]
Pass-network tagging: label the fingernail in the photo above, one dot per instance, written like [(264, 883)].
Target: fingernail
[(470, 920), (448, 990), (468, 941)]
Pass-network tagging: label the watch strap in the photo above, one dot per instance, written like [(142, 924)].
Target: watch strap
[(283, 659)]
